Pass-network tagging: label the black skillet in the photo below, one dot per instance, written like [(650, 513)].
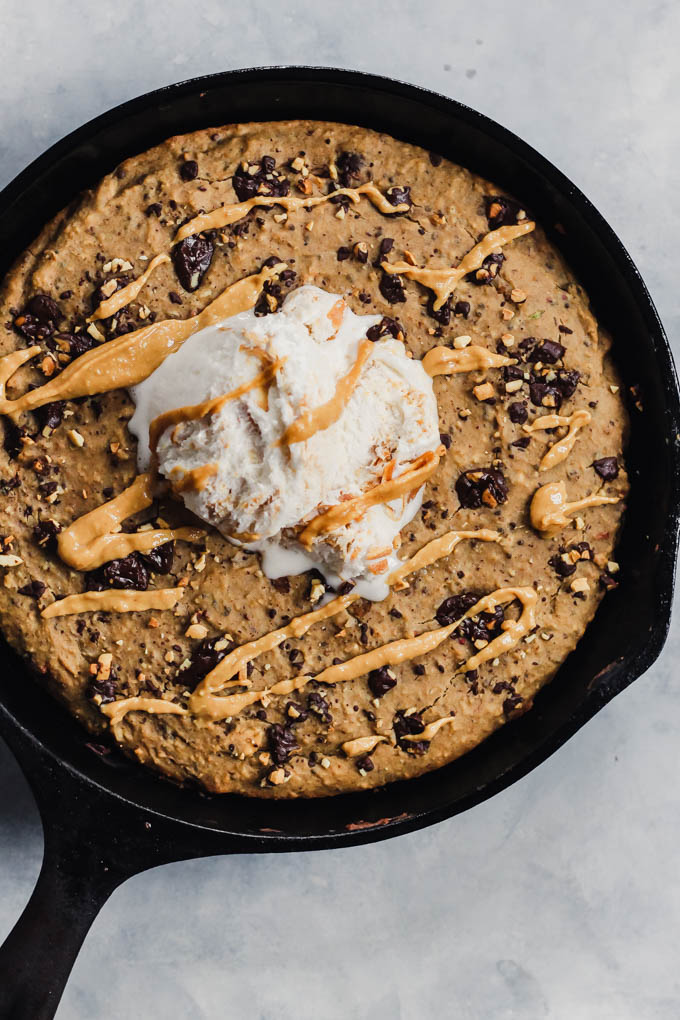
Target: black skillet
[(105, 820)]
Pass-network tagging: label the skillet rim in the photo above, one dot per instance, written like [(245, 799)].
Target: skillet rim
[(620, 674)]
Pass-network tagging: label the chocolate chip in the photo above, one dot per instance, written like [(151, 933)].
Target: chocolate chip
[(518, 413), (542, 394), (484, 626), (481, 486), (174, 297), (345, 587), (548, 351), (191, 259), (129, 573), (441, 315), (607, 582), (50, 416), (349, 166), (462, 308), (384, 248), (399, 195), (288, 277), (380, 681), (282, 743), (435, 158), (204, 658), (511, 704), (607, 468), (445, 440), (266, 181), (455, 606), (488, 271), (522, 443), (409, 725), (343, 254), (281, 584), (160, 559), (188, 171), (567, 381), (364, 764), (317, 704), (78, 343), (39, 318), (295, 713), (104, 691), (501, 211), (11, 443), (565, 329), (34, 589), (386, 327), (45, 534), (392, 288)]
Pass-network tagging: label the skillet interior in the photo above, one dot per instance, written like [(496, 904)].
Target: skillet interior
[(629, 628)]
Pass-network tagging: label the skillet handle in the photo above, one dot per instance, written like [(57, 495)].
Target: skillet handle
[(39, 953)]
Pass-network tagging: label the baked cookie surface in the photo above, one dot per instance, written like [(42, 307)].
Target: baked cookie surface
[(545, 411)]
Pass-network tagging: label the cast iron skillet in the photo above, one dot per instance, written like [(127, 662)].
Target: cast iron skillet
[(103, 822)]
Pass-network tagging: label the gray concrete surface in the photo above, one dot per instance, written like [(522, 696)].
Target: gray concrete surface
[(560, 897)]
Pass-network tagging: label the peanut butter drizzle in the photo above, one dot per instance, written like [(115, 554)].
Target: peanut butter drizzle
[(513, 630), (362, 745), (560, 450), (550, 510), (114, 601), (203, 701), (352, 509), (447, 361), (194, 480), (225, 215), (192, 412), (117, 710), (11, 362), (132, 358), (391, 654), (430, 730), (95, 537), (443, 282), (120, 298), (325, 415)]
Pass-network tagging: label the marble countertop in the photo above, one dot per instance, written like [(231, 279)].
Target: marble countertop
[(558, 898)]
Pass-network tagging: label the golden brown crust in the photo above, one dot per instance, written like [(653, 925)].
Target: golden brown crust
[(136, 211)]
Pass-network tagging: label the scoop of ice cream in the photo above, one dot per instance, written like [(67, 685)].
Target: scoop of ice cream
[(331, 416)]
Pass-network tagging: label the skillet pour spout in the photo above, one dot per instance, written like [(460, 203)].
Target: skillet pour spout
[(106, 819)]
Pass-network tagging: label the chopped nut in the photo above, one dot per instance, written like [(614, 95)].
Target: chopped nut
[(199, 564), (340, 214), (459, 342), (613, 567), (278, 776), (48, 365), (298, 164), (517, 296), (600, 560), (484, 391), (508, 340), (8, 560), (325, 763), (508, 313), (197, 631), (76, 438), (153, 623), (465, 412), (108, 288), (580, 584), (117, 266), (95, 333), (514, 385), (104, 663), (317, 591), (280, 217), (614, 389)]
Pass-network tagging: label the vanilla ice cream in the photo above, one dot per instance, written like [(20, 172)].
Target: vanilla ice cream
[(247, 469)]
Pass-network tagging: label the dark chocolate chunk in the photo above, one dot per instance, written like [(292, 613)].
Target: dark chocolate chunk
[(191, 259), (455, 606), (160, 559), (364, 764), (34, 589), (518, 413), (317, 704), (544, 394), (607, 468), (435, 158), (380, 681), (50, 415), (103, 691), (40, 317), (282, 743), (462, 308), (45, 534), (349, 166), (481, 486), (204, 658), (188, 170), (384, 248), (281, 584), (78, 343), (548, 351), (386, 327), (343, 254), (129, 573), (409, 725), (392, 288), (399, 195), (445, 440), (488, 270), (501, 211), (521, 443), (11, 443), (265, 181)]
